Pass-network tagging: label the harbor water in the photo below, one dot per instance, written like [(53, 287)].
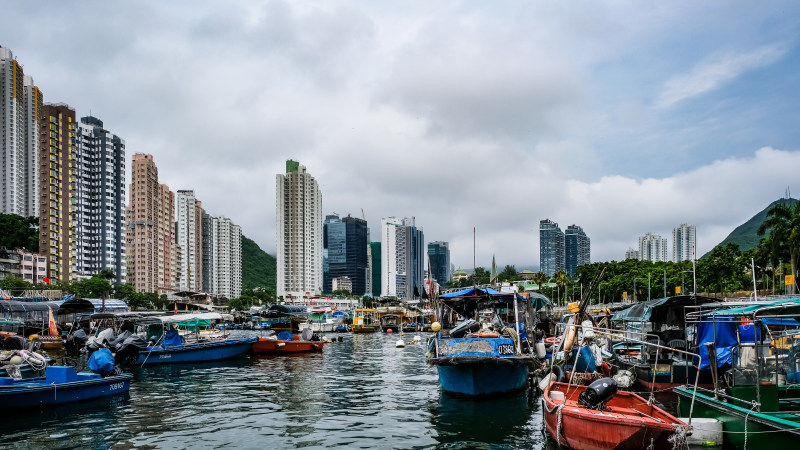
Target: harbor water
[(362, 392)]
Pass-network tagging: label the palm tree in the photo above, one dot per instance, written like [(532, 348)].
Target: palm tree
[(539, 278), (561, 279), (783, 223)]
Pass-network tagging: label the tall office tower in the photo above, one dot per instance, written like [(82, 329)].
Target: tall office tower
[(652, 248), (150, 255), (20, 109), (100, 208), (375, 268), (299, 232), (345, 249), (551, 247), (577, 249), (439, 261), (402, 257), (630, 253), (684, 239), (222, 256), (189, 237), (57, 190)]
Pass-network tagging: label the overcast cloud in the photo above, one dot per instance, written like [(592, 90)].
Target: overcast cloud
[(621, 117)]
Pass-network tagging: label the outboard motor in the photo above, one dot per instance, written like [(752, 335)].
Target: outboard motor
[(129, 349), (76, 341), (467, 326), (598, 394), (14, 343)]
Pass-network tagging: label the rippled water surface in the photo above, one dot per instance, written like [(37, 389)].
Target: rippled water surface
[(362, 392)]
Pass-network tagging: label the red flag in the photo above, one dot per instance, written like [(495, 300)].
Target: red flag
[(46, 280)]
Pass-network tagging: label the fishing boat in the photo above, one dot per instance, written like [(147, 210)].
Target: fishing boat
[(167, 345), (391, 323), (61, 384), (364, 321), (477, 358), (286, 342), (598, 417)]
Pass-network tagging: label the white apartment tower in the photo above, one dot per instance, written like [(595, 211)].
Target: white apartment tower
[(20, 105), (684, 239), (222, 257), (100, 192), (189, 237), (402, 258), (299, 233), (652, 247)]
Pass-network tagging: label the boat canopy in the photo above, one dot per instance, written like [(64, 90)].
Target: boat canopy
[(111, 304), (287, 310), (539, 301), (785, 307), (187, 318), (663, 311), (466, 301)]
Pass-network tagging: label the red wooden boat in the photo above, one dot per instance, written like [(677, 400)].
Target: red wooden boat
[(626, 422), (277, 346)]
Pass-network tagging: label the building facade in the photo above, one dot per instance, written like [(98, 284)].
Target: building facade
[(189, 238), (20, 109), (630, 253), (402, 258), (345, 253), (551, 247), (375, 268), (577, 249), (299, 233), (684, 239), (222, 257), (150, 235), (652, 247), (100, 193), (57, 198), (439, 261)]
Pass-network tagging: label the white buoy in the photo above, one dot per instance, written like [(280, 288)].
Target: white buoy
[(541, 351), (416, 339), (400, 343)]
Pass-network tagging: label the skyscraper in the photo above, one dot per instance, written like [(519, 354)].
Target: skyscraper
[(189, 238), (577, 249), (56, 184), (551, 247), (375, 267), (100, 207), (684, 239), (150, 239), (345, 247), (402, 254), (222, 256), (20, 110), (439, 257), (652, 247), (299, 232)]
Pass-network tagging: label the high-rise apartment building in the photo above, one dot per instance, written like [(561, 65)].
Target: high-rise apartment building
[(375, 268), (402, 258), (222, 256), (630, 253), (299, 232), (20, 110), (151, 258), (684, 239), (100, 208), (189, 238), (57, 193), (652, 247), (577, 249), (439, 261), (345, 253), (551, 247)]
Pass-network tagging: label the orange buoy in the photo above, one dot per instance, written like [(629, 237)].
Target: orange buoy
[(389, 330)]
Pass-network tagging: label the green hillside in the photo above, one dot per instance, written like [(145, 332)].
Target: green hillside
[(746, 234), (258, 267)]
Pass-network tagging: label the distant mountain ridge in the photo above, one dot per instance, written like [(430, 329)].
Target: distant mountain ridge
[(746, 234), (259, 269)]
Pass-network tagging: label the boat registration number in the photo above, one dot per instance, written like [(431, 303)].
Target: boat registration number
[(167, 356), (505, 349), (116, 386)]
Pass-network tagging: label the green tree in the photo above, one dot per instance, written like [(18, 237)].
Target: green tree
[(509, 273), (19, 232), (561, 279), (540, 278), (783, 224), (12, 284)]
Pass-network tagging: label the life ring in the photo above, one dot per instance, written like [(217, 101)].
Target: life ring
[(552, 340)]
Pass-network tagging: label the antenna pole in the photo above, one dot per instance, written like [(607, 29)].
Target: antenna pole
[(474, 275)]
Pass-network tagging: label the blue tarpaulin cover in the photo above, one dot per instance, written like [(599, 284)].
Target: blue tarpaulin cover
[(723, 335), (101, 361), (749, 333), (172, 338), (785, 321)]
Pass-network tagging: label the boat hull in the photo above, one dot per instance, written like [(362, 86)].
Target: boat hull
[(762, 430), (483, 376), (364, 329), (275, 346), (204, 351), (619, 426), (37, 392)]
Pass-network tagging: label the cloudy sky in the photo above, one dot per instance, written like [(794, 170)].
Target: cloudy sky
[(622, 117)]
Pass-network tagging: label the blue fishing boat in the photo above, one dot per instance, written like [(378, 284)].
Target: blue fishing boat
[(61, 384), (479, 358), (183, 338)]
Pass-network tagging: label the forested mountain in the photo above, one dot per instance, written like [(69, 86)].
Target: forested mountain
[(258, 267)]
